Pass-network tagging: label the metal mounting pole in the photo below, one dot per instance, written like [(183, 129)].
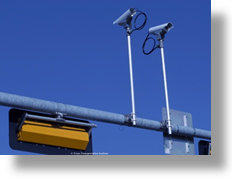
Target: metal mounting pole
[(133, 115), (165, 88), (44, 106)]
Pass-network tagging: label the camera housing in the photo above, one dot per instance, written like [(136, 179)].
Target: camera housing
[(125, 18), (161, 29)]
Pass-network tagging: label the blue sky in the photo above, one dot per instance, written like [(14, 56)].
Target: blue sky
[(70, 52)]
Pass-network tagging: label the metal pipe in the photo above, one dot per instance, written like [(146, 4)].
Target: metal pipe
[(39, 105), (63, 121), (131, 79), (165, 88)]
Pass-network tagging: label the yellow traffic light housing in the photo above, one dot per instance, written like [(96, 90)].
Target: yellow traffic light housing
[(46, 134), (51, 134)]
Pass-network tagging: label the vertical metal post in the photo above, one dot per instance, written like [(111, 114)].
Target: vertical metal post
[(165, 87), (133, 115)]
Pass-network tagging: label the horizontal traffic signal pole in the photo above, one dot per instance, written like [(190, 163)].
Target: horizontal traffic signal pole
[(16, 101)]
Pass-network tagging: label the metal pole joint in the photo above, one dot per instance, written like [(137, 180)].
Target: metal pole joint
[(59, 116), (128, 120), (128, 31), (165, 125)]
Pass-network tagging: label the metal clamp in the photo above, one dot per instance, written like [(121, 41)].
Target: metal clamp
[(59, 116), (128, 120), (165, 125)]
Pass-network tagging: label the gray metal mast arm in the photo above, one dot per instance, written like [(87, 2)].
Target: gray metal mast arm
[(39, 105)]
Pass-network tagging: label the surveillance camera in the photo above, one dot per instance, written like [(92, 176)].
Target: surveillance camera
[(161, 29), (126, 18)]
